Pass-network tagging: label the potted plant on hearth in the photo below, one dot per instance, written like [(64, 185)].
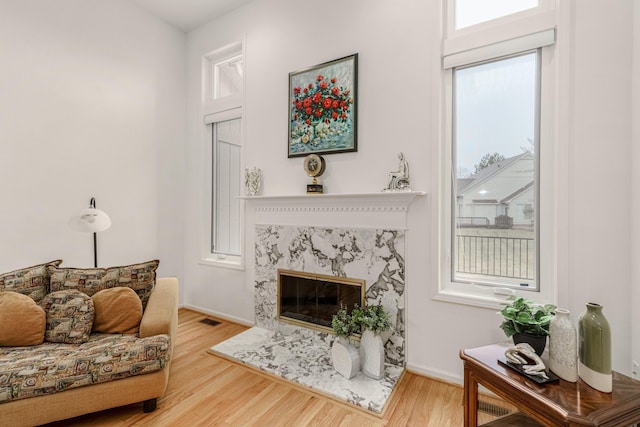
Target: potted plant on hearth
[(372, 320), (344, 355), (528, 322)]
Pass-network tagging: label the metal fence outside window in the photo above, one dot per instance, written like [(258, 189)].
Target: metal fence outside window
[(510, 257)]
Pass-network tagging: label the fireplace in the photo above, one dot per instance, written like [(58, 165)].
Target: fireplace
[(311, 300)]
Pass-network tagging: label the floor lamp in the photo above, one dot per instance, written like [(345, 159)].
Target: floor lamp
[(91, 220)]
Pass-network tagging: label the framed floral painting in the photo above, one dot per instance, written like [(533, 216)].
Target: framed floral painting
[(323, 107)]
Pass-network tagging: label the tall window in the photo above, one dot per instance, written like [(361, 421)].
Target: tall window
[(496, 233), (226, 225), (495, 115), (223, 98)]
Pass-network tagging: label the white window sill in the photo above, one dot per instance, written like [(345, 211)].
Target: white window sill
[(233, 263), (475, 300)]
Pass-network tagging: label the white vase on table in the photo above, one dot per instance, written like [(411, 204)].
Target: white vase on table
[(563, 346)]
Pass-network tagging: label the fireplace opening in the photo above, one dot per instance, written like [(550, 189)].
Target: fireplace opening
[(311, 300)]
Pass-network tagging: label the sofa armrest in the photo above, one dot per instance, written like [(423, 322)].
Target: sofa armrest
[(161, 313)]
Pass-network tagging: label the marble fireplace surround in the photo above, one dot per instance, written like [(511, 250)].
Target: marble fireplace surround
[(352, 235)]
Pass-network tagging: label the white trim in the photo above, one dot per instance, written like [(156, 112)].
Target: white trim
[(222, 116), (502, 37), (502, 48), (435, 373), (364, 210), (515, 23), (220, 315), (214, 111)]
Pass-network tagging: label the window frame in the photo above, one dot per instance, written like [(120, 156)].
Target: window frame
[(483, 39), (235, 114), (536, 140), (216, 110)]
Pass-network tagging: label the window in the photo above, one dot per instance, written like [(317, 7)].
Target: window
[(226, 227), (223, 215), (496, 200), (471, 12), (495, 111), (227, 76)]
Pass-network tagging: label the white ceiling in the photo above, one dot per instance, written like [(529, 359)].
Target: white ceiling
[(188, 14)]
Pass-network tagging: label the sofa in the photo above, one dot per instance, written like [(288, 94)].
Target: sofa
[(71, 371)]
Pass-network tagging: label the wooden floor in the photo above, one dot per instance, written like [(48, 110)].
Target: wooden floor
[(206, 390)]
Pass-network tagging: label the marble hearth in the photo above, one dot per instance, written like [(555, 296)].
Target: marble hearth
[(356, 236)]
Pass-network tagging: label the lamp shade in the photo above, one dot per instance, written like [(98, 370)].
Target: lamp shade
[(90, 220)]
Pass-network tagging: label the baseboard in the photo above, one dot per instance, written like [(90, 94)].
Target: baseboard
[(435, 374), (219, 315)]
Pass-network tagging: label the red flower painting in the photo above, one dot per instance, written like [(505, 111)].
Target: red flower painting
[(322, 116)]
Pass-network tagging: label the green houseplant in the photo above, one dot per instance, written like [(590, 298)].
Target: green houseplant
[(372, 317), (345, 357), (526, 321), (342, 324)]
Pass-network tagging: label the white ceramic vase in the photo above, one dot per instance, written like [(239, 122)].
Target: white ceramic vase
[(563, 346), (345, 357), (372, 355)]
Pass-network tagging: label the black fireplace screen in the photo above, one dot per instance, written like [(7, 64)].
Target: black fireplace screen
[(313, 299)]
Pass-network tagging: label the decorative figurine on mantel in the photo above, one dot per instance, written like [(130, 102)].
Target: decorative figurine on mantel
[(399, 180), (314, 166), (253, 181)]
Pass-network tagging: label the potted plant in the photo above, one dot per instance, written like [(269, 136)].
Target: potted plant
[(344, 355), (528, 322), (371, 320)]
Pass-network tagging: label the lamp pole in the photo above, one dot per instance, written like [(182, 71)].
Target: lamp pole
[(92, 204)]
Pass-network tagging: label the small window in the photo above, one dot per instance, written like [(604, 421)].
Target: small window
[(228, 77), (472, 12)]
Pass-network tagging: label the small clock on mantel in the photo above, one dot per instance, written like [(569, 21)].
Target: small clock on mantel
[(314, 165)]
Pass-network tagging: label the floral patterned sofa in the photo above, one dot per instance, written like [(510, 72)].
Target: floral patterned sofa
[(105, 340)]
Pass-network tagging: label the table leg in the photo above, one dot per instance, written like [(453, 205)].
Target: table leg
[(470, 399)]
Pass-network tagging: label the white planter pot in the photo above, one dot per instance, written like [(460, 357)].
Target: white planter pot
[(345, 357), (372, 355)]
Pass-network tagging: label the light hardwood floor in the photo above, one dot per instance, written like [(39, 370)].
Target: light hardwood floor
[(206, 390)]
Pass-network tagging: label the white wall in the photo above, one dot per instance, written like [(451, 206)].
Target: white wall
[(280, 39), (600, 168), (635, 195), (398, 46), (92, 104)]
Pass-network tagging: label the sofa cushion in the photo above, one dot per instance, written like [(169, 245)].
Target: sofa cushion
[(118, 311), (22, 321), (32, 281), (139, 277), (69, 316), (55, 367)]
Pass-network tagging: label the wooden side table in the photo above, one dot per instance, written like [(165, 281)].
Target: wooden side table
[(556, 404)]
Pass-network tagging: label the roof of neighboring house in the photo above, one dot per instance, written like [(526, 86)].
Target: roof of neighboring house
[(463, 184), (517, 193)]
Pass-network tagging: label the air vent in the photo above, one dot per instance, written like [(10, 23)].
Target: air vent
[(492, 409), (210, 322)]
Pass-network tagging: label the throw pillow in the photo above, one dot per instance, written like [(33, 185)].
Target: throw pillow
[(22, 321), (32, 281), (139, 277), (69, 316), (118, 311)]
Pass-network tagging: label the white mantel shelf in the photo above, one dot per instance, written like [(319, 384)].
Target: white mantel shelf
[(388, 196), (374, 210)]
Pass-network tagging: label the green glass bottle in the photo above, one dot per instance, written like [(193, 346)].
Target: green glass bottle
[(594, 349)]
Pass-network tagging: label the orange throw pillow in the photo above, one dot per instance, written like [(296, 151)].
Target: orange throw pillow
[(22, 321), (118, 311)]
